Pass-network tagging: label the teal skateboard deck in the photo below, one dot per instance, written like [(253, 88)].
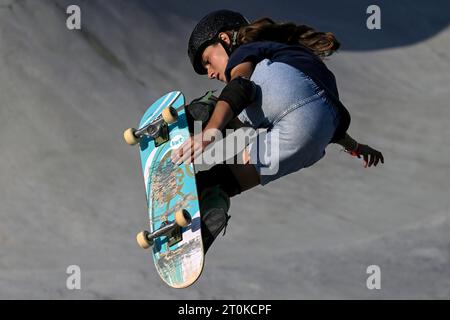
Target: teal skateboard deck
[(171, 192)]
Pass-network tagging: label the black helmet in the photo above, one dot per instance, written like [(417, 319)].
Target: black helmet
[(206, 32)]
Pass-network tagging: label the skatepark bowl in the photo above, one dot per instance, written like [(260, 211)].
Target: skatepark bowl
[(69, 180)]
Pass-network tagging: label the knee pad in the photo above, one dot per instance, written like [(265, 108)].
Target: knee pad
[(239, 93)]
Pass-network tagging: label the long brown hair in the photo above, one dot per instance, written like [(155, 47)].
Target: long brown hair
[(323, 44)]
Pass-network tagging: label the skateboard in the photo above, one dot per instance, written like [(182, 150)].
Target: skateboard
[(171, 191)]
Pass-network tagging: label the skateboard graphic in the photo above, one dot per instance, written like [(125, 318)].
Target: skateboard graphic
[(171, 192)]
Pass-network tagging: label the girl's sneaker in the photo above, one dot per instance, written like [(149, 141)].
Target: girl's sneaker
[(214, 206)]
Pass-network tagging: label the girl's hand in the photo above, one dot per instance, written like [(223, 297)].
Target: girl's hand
[(370, 155), (190, 149)]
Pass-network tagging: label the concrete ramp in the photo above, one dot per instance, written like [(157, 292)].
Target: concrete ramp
[(72, 191)]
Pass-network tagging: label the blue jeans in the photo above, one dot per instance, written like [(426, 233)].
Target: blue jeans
[(299, 118)]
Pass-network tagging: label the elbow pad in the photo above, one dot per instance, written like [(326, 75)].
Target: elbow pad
[(238, 93)]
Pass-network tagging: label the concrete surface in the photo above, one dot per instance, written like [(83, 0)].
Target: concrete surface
[(72, 193)]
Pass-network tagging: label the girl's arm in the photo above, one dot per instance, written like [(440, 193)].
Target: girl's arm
[(348, 143), (370, 155), (223, 114)]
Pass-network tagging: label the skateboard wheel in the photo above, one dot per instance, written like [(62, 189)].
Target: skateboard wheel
[(142, 240), (182, 218), (169, 115), (129, 136)]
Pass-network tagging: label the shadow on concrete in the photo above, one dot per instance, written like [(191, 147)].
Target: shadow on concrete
[(403, 22)]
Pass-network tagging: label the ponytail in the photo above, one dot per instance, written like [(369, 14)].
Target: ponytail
[(323, 44)]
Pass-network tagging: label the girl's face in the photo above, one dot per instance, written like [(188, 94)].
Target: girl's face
[(214, 60)]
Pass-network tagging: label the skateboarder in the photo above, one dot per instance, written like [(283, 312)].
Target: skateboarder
[(275, 79)]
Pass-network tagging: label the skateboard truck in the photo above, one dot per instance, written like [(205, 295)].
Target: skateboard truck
[(146, 239), (157, 129)]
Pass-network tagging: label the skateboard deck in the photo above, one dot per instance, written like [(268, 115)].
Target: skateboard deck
[(178, 255)]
